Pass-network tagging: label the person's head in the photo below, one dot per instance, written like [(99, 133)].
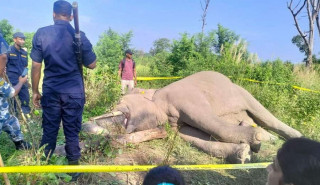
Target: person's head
[(163, 175), (297, 163), (19, 40), (128, 53), (3, 55), (62, 10)]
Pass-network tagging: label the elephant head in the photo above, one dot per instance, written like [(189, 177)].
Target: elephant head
[(141, 113)]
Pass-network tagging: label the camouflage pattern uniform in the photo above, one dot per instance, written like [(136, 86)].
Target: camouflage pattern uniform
[(8, 123)]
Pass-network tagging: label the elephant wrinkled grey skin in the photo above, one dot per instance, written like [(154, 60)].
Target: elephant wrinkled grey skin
[(208, 110)]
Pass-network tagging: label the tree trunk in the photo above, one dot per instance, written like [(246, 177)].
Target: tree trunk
[(313, 8)]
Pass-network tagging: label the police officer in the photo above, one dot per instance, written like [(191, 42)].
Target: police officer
[(17, 62), (9, 123), (63, 91)]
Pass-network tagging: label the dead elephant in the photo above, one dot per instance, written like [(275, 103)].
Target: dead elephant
[(208, 110)]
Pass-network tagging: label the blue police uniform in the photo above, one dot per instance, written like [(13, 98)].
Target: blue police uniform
[(3, 45), (8, 123), (17, 61), (63, 92)]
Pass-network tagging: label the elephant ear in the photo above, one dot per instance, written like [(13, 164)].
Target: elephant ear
[(148, 94)]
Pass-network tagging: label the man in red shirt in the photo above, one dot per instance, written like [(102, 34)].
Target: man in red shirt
[(127, 72)]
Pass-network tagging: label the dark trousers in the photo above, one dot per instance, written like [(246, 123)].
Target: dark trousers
[(67, 108), (24, 99)]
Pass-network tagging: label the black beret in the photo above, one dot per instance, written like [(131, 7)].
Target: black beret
[(62, 7)]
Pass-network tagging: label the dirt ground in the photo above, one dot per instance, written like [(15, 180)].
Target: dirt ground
[(154, 153)]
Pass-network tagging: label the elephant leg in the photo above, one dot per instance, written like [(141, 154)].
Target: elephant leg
[(233, 153), (265, 136), (242, 119), (265, 119), (92, 128), (141, 136), (222, 130)]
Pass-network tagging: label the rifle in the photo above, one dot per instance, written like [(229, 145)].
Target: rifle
[(77, 39)]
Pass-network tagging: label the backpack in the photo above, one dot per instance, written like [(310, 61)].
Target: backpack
[(123, 62)]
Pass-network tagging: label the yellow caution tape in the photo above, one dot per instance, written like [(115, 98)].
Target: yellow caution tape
[(102, 168), (275, 83), (246, 79), (158, 78), (305, 89)]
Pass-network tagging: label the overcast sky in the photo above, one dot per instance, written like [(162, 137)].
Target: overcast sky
[(267, 25)]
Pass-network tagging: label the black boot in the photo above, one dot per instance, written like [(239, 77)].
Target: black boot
[(22, 145), (74, 176)]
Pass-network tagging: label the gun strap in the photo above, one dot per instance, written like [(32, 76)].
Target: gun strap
[(71, 30), (73, 34)]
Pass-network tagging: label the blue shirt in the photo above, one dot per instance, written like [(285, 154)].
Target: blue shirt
[(17, 61), (54, 45), (3, 45)]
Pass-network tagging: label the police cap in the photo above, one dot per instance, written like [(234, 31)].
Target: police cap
[(19, 34), (62, 7)]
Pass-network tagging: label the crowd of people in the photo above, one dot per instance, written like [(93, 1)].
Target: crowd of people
[(62, 100)]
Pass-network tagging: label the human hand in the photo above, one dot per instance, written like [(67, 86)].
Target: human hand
[(23, 79), (135, 82), (36, 100)]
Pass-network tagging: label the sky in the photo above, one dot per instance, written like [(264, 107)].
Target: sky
[(267, 25)]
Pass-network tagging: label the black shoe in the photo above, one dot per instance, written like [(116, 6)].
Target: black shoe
[(22, 145), (74, 176)]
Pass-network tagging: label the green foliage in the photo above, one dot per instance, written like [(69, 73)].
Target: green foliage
[(7, 30), (191, 54), (160, 45), (273, 71), (102, 91), (160, 65), (110, 49), (204, 43), (224, 36), (183, 51), (299, 42), (28, 41), (125, 40)]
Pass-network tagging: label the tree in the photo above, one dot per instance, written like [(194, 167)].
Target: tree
[(125, 40), (160, 45), (204, 42), (28, 43), (183, 51), (200, 40), (306, 40), (204, 14), (224, 36), (110, 48), (7, 30)]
